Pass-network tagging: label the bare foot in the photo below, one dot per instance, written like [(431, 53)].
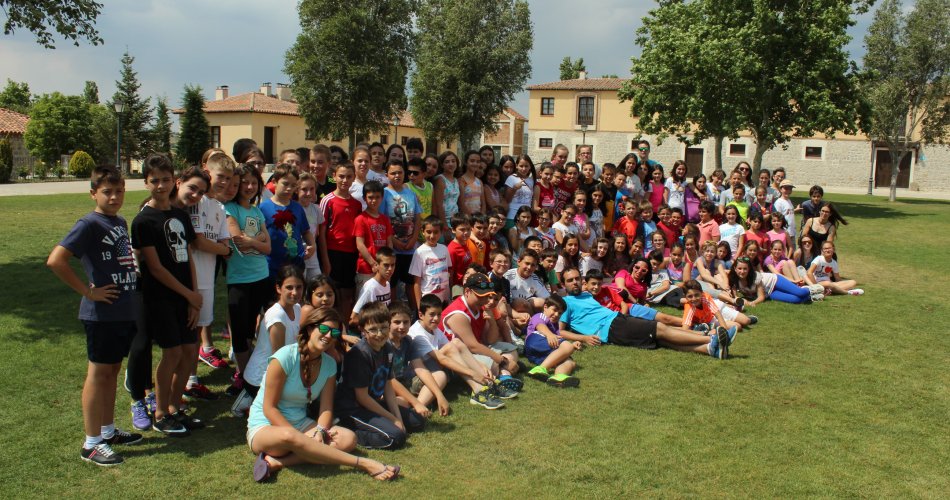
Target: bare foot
[(274, 463)]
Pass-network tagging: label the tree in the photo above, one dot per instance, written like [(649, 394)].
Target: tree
[(162, 131), (572, 70), (91, 92), (73, 19), (472, 59), (102, 128), (59, 124), (907, 78), (348, 66), (137, 114), (6, 160), (194, 135), (16, 96), (81, 164)]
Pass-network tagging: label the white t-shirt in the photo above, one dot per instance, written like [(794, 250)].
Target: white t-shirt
[(566, 228), (257, 364), (587, 263), (786, 208), (372, 291), (677, 193), (423, 342), (432, 265), (372, 175), (356, 191), (522, 288), (314, 218), (824, 270), (730, 233), (656, 280), (768, 282), (522, 196), (208, 219)]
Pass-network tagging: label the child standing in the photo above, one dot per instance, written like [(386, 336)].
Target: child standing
[(547, 349), (459, 255), (377, 288), (372, 231), (675, 186), (784, 206), (337, 244), (100, 240), (307, 193), (731, 231), (431, 266), (291, 239)]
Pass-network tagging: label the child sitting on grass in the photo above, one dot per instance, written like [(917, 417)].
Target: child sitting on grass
[(400, 318), (547, 349), (702, 314)]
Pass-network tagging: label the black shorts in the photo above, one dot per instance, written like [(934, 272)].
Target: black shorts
[(245, 303), (343, 268), (401, 274), (632, 332), (167, 323), (107, 342)]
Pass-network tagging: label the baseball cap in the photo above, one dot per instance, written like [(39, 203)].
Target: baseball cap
[(480, 284), (786, 183)]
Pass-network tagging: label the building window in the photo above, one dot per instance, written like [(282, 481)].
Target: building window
[(814, 152), (404, 140), (216, 137), (585, 110), (737, 150), (545, 143), (384, 139), (547, 106)]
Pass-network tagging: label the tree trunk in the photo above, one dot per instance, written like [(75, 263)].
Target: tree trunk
[(717, 151), (760, 150), (352, 137), (896, 158)]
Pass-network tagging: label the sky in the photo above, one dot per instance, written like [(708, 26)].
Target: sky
[(241, 43)]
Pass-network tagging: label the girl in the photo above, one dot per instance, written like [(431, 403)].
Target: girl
[(778, 263), (755, 287), (249, 285), (661, 289), (658, 239), (596, 258), (731, 231), (278, 429), (396, 152), (825, 226), (695, 193), (711, 272), (761, 206), (445, 196), (306, 195), (322, 293), (587, 177), (492, 182), (596, 210), (658, 190), (765, 179), (618, 257), (745, 173), (753, 251), (521, 230), (472, 189), (519, 188), (636, 281), (739, 201), (569, 256), (545, 231), (724, 254), (824, 271), (507, 163), (361, 165), (487, 154), (679, 269), (565, 225), (675, 187), (804, 254), (716, 187), (291, 239), (432, 167), (543, 196), (636, 248), (565, 188), (632, 182), (756, 230), (779, 232), (581, 221), (278, 328), (377, 158)]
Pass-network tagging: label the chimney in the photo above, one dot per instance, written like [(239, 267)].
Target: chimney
[(221, 93), (265, 88), (582, 75), (283, 92)]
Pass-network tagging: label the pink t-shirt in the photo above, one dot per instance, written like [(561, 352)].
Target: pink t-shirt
[(780, 236), (635, 288)]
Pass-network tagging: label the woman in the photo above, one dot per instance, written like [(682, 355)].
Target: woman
[(824, 227), (278, 429)]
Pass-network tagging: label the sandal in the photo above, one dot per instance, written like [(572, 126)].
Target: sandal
[(261, 468), (395, 471)]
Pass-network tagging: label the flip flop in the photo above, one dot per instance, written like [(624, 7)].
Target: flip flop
[(395, 471), (261, 468)]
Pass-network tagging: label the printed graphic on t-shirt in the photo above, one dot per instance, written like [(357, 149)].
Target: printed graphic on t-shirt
[(251, 230), (118, 238), (378, 385), (175, 237)]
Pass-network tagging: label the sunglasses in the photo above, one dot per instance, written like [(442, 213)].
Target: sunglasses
[(482, 286), (413, 173), (335, 333), (644, 149)]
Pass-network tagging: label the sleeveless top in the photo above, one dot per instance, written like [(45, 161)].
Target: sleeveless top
[(459, 306), (816, 237), (450, 202), (676, 273), (472, 196)]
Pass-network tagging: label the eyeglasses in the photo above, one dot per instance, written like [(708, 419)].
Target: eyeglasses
[(335, 333), (378, 331), (413, 173)]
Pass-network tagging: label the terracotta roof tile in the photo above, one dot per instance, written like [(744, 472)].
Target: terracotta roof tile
[(12, 122), (585, 84), (517, 115)]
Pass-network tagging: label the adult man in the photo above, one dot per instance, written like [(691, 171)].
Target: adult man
[(589, 322), (525, 284), (585, 154)]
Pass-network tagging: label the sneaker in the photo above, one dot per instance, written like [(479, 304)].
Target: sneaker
[(723, 340), (211, 357), (539, 373), (563, 380), (168, 425), (101, 454), (510, 382), (732, 332), (226, 333), (753, 319), (713, 347), (486, 399), (200, 391), (150, 402), (701, 328), (740, 304), (141, 417), (189, 422), (502, 392), (237, 385), (856, 291), (242, 404), (122, 437)]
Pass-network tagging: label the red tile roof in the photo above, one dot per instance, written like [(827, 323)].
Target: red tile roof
[(517, 115), (585, 84), (12, 122)]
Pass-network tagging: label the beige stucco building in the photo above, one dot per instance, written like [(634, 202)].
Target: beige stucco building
[(559, 111)]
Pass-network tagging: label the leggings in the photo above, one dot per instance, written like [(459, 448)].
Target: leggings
[(139, 366), (786, 291), (672, 298), (245, 301), (376, 432)]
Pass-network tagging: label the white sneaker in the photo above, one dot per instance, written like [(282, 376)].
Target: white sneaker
[(242, 404), (856, 291)]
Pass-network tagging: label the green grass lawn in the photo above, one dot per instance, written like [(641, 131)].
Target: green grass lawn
[(849, 397)]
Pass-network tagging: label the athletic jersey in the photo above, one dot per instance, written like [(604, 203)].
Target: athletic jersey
[(340, 215), (459, 306)]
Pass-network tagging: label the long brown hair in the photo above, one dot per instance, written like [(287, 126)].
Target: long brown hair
[(316, 317)]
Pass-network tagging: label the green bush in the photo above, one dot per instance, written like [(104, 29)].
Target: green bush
[(81, 164), (6, 160)]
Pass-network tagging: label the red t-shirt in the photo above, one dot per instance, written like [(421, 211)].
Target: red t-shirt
[(672, 233), (762, 238), (628, 228), (461, 258), (609, 298), (475, 318), (340, 215), (562, 195), (375, 231)]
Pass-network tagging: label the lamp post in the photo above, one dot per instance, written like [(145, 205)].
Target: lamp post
[(119, 106), (583, 134), (396, 136), (871, 171)]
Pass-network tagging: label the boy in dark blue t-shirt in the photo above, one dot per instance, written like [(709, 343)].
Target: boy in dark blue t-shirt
[(100, 240)]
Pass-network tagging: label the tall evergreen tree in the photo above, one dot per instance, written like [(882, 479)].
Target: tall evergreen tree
[(571, 70), (194, 135), (136, 117), (162, 131), (91, 92)]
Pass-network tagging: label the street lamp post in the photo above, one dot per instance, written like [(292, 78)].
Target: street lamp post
[(871, 172), (396, 136), (119, 106), (583, 134)]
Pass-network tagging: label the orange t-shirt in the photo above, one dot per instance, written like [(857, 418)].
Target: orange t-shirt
[(706, 313)]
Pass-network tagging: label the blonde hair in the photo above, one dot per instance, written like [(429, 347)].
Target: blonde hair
[(220, 161)]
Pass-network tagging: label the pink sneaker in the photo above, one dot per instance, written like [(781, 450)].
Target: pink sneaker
[(212, 358)]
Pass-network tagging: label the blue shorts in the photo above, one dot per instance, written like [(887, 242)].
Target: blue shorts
[(536, 348), (642, 312)]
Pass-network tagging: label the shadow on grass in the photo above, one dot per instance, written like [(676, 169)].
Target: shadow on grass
[(47, 308), (876, 211)]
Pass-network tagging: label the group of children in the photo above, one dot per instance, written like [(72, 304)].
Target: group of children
[(365, 286)]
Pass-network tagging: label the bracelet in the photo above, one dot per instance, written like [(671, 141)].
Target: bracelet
[(323, 433)]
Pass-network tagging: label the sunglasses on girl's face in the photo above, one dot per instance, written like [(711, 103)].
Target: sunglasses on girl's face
[(335, 333)]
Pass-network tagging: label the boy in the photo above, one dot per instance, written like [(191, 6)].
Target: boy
[(100, 240), (416, 171), (459, 255), (366, 401), (163, 234), (647, 226), (372, 230), (319, 165), (629, 224), (812, 206), (671, 232), (708, 229), (496, 237), (400, 318), (784, 206), (431, 267), (739, 201), (404, 211), (524, 284), (377, 288), (478, 240), (414, 149), (546, 270), (547, 349), (337, 244), (701, 313), (607, 296)]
